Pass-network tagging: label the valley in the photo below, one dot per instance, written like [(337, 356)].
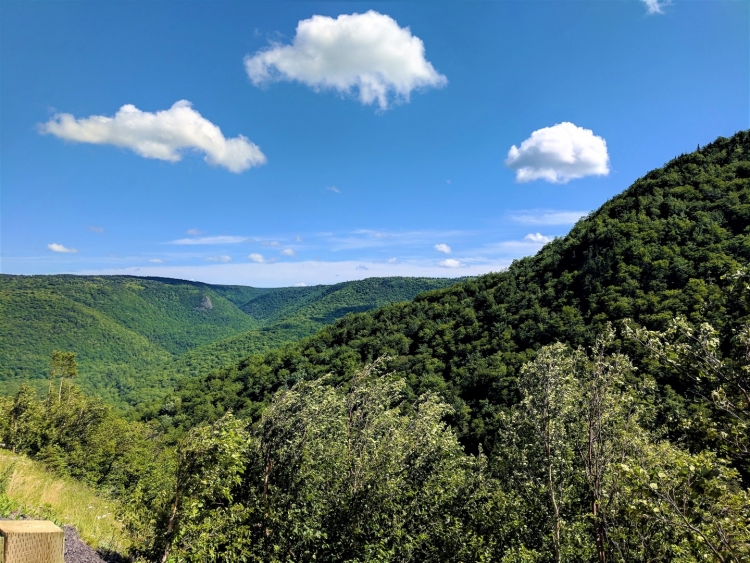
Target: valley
[(135, 337)]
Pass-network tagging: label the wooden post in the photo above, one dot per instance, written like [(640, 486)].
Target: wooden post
[(31, 541)]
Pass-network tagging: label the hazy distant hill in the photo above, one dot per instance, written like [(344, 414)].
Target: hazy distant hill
[(130, 333)]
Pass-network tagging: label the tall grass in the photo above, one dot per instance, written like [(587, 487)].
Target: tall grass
[(33, 491)]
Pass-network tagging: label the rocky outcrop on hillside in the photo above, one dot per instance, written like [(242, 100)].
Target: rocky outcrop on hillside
[(205, 304)]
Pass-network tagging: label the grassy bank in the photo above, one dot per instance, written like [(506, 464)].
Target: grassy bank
[(38, 493)]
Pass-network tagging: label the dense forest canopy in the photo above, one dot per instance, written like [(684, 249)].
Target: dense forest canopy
[(136, 336)]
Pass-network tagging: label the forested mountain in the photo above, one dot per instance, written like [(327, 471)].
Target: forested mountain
[(663, 247), (286, 315), (130, 333)]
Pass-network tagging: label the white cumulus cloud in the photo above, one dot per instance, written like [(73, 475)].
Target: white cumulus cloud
[(559, 154), (368, 53), (538, 237), (163, 135), (156, 260), (288, 252), (258, 258), (54, 247), (451, 263), (444, 248)]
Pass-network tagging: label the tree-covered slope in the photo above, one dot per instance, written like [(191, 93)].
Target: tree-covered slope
[(323, 304), (119, 326), (48, 321), (660, 248), (288, 314), (136, 336)]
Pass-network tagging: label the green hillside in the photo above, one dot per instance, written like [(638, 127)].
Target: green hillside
[(136, 336), (323, 304), (288, 314), (328, 303), (663, 247), (120, 326)]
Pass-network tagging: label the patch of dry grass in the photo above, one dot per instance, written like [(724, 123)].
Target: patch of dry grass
[(40, 493)]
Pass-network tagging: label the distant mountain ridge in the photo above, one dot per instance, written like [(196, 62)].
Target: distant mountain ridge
[(130, 332)]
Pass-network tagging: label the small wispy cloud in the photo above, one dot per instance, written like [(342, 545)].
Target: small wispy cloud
[(444, 248), (547, 217), (54, 247), (312, 272), (375, 234), (362, 267), (369, 238), (156, 260), (393, 260), (223, 258), (507, 248), (451, 263), (288, 252), (93, 229), (210, 240), (271, 243), (538, 237), (258, 258), (193, 232), (333, 189), (655, 6)]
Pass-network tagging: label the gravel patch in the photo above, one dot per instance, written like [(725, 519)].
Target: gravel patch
[(78, 551)]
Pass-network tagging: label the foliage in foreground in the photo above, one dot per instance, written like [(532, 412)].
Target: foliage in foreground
[(329, 474), (78, 436), (603, 487), (360, 473), (363, 471)]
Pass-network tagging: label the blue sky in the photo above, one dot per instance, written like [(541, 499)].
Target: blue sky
[(332, 141)]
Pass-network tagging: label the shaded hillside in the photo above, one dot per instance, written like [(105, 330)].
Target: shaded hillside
[(323, 304), (288, 314), (658, 249), (131, 333)]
